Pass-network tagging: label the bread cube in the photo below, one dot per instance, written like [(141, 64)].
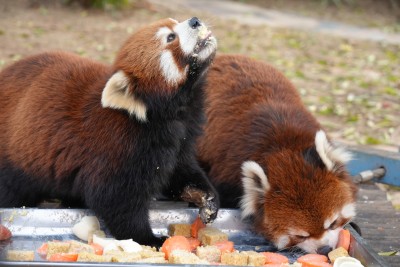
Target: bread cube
[(234, 258), (121, 256), (210, 236), (77, 247), (336, 253), (255, 259), (185, 257), (153, 260), (57, 247), (89, 257), (151, 254), (179, 229), (144, 247), (20, 255), (209, 253)]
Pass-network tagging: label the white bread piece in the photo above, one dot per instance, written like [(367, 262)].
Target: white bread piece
[(336, 253), (179, 229), (184, 257), (20, 255), (77, 247), (89, 257), (57, 247), (209, 253), (234, 258), (210, 236), (153, 260), (255, 259)]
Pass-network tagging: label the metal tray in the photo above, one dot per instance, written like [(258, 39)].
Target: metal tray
[(31, 227)]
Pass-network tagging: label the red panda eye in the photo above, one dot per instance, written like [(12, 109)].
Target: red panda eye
[(333, 225), (301, 238), (171, 37)]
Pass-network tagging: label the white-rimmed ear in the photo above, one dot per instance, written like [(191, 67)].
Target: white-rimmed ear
[(116, 95), (329, 154), (255, 186)]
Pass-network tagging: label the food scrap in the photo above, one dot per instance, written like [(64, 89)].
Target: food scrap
[(194, 243), (5, 233)]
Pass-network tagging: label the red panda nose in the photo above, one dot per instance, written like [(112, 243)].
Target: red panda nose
[(324, 250), (194, 23)]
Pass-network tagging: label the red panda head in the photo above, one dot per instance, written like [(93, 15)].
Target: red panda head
[(300, 198), (158, 60)]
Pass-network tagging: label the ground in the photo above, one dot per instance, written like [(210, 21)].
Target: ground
[(352, 86)]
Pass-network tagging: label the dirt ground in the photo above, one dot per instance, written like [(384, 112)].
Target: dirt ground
[(353, 87)]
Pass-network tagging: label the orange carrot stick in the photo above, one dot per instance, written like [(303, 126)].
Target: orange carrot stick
[(344, 239)]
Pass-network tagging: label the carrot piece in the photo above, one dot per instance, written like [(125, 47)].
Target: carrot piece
[(344, 239), (316, 264), (196, 226), (312, 258), (98, 249), (42, 250), (272, 257), (173, 243), (4, 233), (63, 257), (194, 243), (273, 265), (225, 246)]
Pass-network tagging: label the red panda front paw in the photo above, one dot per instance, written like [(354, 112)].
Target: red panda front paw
[(208, 212), (208, 202), (157, 241)]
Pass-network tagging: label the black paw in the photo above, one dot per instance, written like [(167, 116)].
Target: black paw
[(209, 211), (157, 241)]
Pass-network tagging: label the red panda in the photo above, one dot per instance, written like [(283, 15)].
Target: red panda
[(110, 137), (265, 153)]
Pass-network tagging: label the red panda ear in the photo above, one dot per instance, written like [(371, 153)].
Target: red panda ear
[(255, 186), (116, 95), (330, 154)]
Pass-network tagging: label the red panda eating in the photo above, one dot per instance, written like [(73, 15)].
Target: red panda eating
[(109, 137), (265, 153)]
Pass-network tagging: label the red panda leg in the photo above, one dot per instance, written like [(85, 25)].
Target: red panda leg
[(14, 191), (125, 211), (190, 183)]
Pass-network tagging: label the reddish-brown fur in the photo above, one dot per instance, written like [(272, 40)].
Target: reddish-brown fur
[(58, 140), (255, 113), (148, 73)]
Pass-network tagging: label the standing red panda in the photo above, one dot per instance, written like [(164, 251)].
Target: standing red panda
[(265, 153), (109, 136)]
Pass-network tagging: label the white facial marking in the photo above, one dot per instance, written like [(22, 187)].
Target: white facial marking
[(298, 232), (328, 153), (190, 38), (116, 95), (169, 69), (329, 221), (282, 241), (349, 210), (187, 36), (329, 238), (253, 175)]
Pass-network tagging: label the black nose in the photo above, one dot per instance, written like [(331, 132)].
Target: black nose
[(324, 250), (194, 23)]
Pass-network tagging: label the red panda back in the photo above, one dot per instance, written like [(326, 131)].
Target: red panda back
[(43, 121), (238, 87), (267, 154)]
